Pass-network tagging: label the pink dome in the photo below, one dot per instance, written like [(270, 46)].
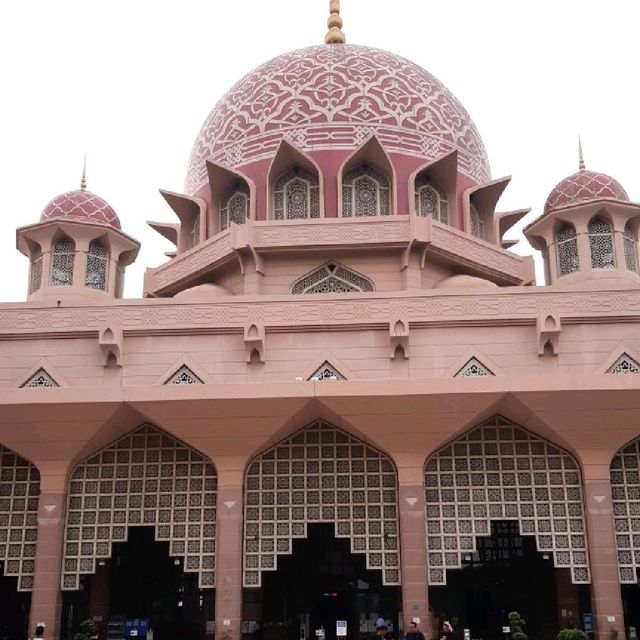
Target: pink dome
[(583, 186), (81, 205), (334, 97)]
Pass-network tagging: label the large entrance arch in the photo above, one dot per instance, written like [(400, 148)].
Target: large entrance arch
[(487, 494), (145, 480), (19, 493), (330, 502)]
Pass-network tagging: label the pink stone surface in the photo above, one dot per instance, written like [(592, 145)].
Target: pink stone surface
[(582, 187), (81, 205)]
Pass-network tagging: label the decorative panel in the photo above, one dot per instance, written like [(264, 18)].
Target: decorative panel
[(146, 478), (366, 192), (326, 371), (601, 244), (499, 471), (296, 195), (332, 277), (567, 247), (184, 375), (624, 364), (630, 249), (473, 368), (431, 200), (321, 474), (40, 379)]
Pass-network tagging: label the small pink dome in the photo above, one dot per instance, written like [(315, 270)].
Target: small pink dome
[(582, 187), (83, 206)]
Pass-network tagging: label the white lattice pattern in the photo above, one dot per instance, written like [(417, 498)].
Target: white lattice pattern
[(235, 207), (630, 249), (19, 493), (366, 192), (326, 371), (472, 368), (498, 471), (40, 379), (624, 364), (184, 375), (567, 247), (97, 263), (601, 244), (296, 195), (431, 200), (332, 277), (321, 474), (146, 478), (35, 277), (62, 259)]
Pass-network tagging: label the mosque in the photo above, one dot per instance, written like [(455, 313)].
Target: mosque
[(342, 397)]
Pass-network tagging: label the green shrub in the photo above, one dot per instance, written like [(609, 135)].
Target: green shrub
[(572, 634), (517, 624)]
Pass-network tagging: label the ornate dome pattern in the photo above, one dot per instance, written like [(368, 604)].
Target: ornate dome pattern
[(334, 97), (81, 205), (583, 186)]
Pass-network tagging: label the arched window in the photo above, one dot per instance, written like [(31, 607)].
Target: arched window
[(431, 200), (97, 263), (62, 258), (366, 192), (296, 195), (194, 236), (332, 277), (35, 279), (235, 207), (630, 249), (477, 223), (601, 243), (567, 246)]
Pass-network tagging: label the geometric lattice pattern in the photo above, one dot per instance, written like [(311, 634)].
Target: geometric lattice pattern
[(326, 371), (473, 368), (146, 478), (81, 205), (630, 249), (235, 207), (62, 262), (366, 192), (582, 187), (431, 200), (332, 277), (321, 474), (184, 375), (498, 471), (477, 223), (35, 278), (40, 379), (567, 249), (624, 364), (601, 243), (625, 491), (97, 263), (296, 195), (19, 494)]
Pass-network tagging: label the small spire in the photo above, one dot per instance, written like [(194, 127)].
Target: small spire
[(334, 35), (581, 165), (83, 181)]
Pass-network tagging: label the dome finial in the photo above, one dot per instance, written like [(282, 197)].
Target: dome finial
[(83, 180), (334, 35), (581, 165)]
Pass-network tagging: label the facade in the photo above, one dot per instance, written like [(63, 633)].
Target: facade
[(341, 398)]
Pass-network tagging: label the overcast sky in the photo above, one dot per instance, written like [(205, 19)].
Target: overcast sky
[(130, 82)]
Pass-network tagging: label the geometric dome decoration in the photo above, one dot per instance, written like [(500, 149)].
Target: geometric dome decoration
[(582, 187), (334, 97), (81, 205)]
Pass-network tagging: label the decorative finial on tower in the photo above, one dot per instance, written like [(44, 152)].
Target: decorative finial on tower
[(83, 181), (334, 35), (581, 165)]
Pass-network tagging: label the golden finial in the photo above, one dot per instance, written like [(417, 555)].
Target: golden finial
[(334, 35), (581, 165), (83, 181)]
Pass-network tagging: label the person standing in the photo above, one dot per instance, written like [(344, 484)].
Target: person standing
[(414, 633)]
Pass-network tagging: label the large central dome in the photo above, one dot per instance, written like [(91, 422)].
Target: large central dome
[(334, 97)]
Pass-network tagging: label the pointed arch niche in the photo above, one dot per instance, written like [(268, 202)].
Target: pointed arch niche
[(233, 197), (146, 478), (296, 190), (321, 474), (500, 471), (432, 190), (366, 183)]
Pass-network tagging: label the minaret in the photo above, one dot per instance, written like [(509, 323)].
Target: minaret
[(334, 35), (581, 165)]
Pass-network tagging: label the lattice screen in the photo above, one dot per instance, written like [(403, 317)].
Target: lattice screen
[(147, 478), (473, 368), (40, 379), (332, 277), (625, 490), (321, 474), (498, 471), (624, 364), (19, 493), (184, 375), (326, 371)]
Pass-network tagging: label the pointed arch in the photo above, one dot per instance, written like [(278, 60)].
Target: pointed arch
[(567, 249), (97, 265), (332, 277), (63, 255), (601, 243), (630, 248), (233, 196), (432, 189)]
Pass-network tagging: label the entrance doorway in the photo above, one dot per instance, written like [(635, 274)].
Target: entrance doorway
[(631, 605), (320, 583), (505, 574), (141, 582), (14, 608)]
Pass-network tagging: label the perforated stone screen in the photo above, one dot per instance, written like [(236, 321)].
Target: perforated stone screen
[(147, 478), (321, 474), (499, 471), (19, 493)]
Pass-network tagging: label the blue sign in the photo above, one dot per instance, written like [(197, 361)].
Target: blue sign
[(136, 627), (587, 622)]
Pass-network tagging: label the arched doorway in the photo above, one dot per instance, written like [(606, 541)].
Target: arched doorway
[(320, 537), (19, 494), (140, 538), (504, 511)]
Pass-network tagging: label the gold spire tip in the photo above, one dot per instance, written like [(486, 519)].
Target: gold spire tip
[(581, 165), (334, 35), (83, 180)]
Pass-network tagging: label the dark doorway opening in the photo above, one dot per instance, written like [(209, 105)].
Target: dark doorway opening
[(141, 581), (14, 608), (631, 605), (506, 573), (320, 583)]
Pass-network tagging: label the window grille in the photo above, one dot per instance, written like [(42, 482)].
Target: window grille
[(184, 375), (97, 265), (624, 364), (473, 368), (326, 371), (500, 471), (630, 249), (431, 200), (296, 195), (194, 236), (366, 192), (235, 207), (321, 474), (147, 478), (477, 223), (62, 258), (567, 247), (35, 279), (40, 379), (332, 278), (601, 244), (19, 501)]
